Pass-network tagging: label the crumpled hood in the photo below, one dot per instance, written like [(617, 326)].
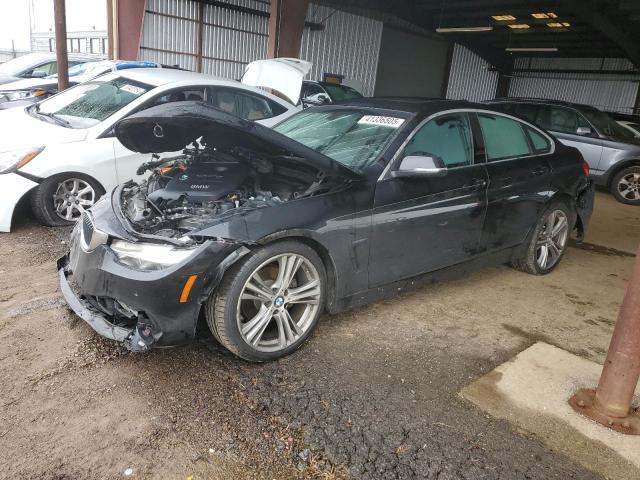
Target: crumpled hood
[(171, 127), (20, 130)]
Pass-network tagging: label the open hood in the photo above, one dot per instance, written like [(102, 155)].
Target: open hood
[(284, 75), (173, 126)]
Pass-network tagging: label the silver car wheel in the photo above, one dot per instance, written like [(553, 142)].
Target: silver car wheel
[(629, 186), (72, 197), (552, 239), (279, 302)]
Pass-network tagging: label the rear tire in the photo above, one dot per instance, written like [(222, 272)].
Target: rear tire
[(61, 199), (545, 246), (261, 311), (625, 186)]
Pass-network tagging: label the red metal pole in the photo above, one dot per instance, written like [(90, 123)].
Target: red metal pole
[(61, 44), (610, 403)]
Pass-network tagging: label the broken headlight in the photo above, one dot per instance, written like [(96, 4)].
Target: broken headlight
[(149, 256)]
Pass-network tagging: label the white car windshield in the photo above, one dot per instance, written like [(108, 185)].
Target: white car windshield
[(88, 104), (89, 69)]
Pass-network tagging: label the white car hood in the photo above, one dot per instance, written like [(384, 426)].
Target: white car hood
[(284, 75), (22, 84), (20, 130)]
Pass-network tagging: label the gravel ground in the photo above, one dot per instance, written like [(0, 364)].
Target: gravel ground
[(374, 394)]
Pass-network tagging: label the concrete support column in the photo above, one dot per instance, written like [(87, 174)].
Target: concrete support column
[(125, 20), (286, 23)]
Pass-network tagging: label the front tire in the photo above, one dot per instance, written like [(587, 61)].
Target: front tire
[(61, 199), (546, 244), (625, 186), (270, 302)]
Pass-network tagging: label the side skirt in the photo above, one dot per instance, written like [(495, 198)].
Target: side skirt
[(413, 283)]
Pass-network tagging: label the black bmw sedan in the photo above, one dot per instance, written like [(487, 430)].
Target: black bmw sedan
[(259, 231)]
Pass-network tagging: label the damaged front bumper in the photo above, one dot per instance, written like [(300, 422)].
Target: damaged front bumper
[(142, 309)]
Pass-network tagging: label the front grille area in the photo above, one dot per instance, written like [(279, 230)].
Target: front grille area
[(87, 229), (90, 236), (115, 312)]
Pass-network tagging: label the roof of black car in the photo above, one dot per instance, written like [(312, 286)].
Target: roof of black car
[(412, 105), (538, 100)]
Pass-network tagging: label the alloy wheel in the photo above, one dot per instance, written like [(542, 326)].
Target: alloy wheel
[(279, 302), (552, 239), (72, 197), (629, 186)]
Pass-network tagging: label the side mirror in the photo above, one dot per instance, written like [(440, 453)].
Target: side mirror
[(584, 131), (38, 74), (426, 165)]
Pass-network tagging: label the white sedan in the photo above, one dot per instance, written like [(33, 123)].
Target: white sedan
[(63, 153)]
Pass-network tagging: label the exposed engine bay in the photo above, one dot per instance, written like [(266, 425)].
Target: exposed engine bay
[(187, 192)]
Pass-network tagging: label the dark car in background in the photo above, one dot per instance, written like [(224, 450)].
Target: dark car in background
[(319, 93), (612, 151), (35, 65), (338, 205)]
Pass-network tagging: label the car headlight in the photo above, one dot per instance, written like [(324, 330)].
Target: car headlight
[(20, 94), (149, 256), (15, 159)]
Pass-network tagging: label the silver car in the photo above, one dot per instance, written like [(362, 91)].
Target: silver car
[(612, 151)]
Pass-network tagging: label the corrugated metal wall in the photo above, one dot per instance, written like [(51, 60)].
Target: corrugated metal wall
[(607, 92), (231, 39), (470, 78), (349, 45)]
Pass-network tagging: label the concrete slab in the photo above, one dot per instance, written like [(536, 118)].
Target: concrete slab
[(531, 391)]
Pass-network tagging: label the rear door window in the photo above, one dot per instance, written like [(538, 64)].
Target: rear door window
[(562, 119), (503, 137), (448, 137)]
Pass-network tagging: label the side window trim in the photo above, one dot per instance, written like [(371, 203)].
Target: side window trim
[(396, 159)]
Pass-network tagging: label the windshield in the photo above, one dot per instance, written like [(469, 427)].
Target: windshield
[(17, 65), (607, 125), (89, 103), (341, 92), (94, 68), (350, 137)]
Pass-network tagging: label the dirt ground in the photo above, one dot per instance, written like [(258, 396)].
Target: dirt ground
[(372, 395)]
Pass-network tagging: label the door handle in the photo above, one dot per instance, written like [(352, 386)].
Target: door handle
[(539, 171), (476, 184)]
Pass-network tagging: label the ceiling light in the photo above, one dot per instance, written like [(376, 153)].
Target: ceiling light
[(503, 18), (518, 26), (531, 49), (566, 24), (463, 29), (544, 15), (554, 25)]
